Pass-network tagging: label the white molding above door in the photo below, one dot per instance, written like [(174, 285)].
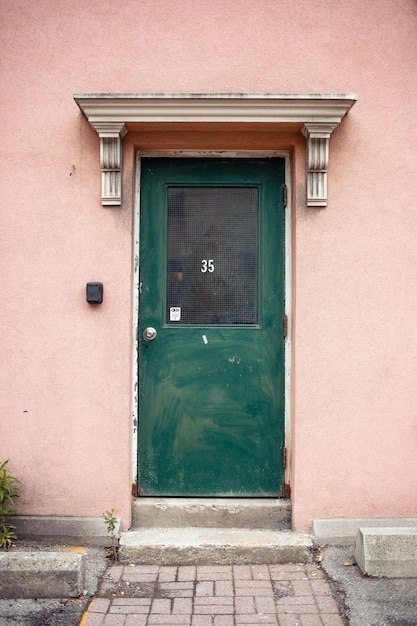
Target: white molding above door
[(318, 114)]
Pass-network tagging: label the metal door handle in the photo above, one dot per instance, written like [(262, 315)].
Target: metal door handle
[(149, 333)]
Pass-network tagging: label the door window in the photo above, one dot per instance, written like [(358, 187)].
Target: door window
[(212, 268)]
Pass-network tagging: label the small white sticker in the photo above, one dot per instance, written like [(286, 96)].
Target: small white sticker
[(175, 314), (205, 340)]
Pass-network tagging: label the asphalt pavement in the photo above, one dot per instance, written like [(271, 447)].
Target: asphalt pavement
[(368, 601)]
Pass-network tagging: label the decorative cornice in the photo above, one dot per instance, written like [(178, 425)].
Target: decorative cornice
[(109, 113)]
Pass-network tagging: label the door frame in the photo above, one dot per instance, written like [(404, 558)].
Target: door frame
[(136, 284)]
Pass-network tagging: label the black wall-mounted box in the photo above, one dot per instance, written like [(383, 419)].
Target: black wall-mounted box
[(94, 293)]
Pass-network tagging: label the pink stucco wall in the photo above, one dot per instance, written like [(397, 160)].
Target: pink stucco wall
[(66, 366)]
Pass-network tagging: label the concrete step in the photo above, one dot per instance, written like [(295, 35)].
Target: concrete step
[(206, 546), (211, 513)]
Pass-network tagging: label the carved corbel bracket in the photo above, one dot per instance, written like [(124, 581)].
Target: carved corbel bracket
[(318, 139), (111, 135)]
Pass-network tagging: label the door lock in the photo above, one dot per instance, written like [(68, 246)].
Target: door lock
[(149, 333)]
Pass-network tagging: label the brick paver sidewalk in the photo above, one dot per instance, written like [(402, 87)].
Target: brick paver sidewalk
[(222, 595)]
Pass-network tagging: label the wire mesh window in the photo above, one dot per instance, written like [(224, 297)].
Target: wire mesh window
[(212, 255)]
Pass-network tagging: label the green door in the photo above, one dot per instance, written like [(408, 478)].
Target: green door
[(211, 346)]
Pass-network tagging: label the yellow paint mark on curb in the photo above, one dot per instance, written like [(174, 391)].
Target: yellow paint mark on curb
[(77, 549), (85, 614), (84, 617)]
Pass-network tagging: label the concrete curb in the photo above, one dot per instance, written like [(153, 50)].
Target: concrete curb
[(42, 575), (343, 531), (390, 552), (85, 531)]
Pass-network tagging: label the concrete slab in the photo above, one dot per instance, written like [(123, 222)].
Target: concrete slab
[(205, 546), (270, 513), (84, 531), (41, 575), (390, 552), (343, 531)]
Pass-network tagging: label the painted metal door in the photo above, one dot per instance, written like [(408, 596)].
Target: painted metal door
[(211, 346)]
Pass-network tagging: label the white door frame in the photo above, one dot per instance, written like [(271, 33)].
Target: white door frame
[(137, 287)]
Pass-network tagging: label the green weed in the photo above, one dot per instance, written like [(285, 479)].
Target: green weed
[(110, 521), (8, 495)]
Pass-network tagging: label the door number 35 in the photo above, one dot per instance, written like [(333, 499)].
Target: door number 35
[(207, 265)]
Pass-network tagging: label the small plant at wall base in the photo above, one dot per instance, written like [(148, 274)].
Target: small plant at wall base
[(8, 495), (110, 521)]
